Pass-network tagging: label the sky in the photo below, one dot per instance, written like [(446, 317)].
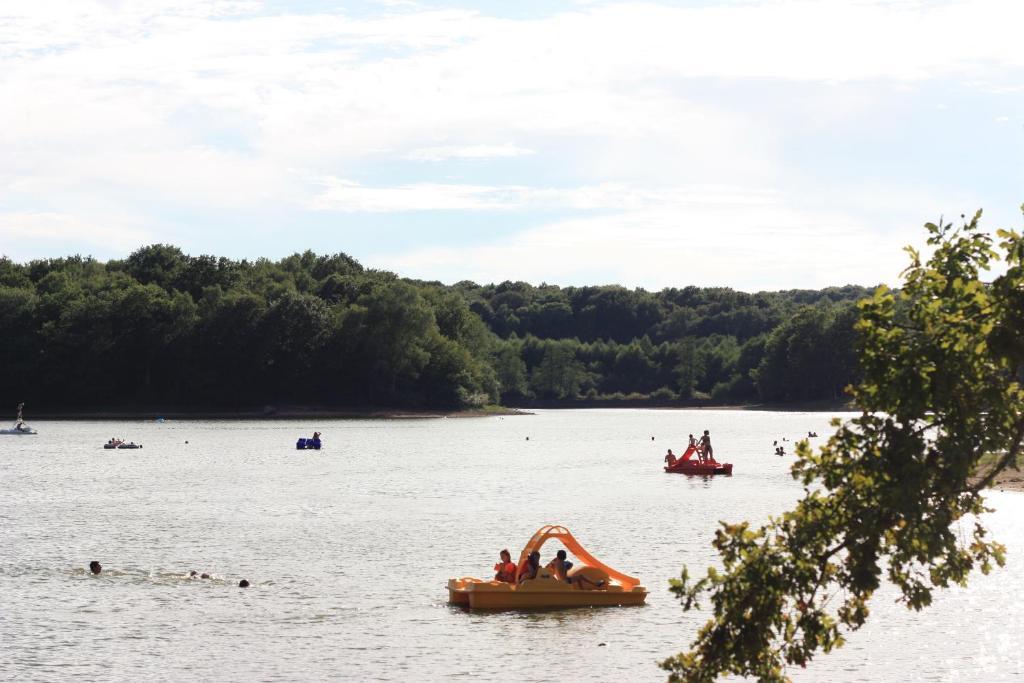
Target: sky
[(754, 145)]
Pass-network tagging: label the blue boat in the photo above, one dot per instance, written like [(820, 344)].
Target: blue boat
[(309, 444)]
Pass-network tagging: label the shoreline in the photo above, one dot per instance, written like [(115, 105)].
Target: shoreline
[(1007, 480), (289, 413), (386, 413)]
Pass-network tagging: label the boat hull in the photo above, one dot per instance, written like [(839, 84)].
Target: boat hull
[(702, 468), (492, 595)]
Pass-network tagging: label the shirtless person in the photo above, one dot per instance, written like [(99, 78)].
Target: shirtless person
[(705, 445)]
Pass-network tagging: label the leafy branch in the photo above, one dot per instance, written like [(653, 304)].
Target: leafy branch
[(942, 363)]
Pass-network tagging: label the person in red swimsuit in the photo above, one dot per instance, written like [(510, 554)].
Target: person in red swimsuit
[(506, 569)]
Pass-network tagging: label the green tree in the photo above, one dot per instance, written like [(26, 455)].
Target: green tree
[(559, 375), (511, 371), (689, 368), (395, 338), (943, 363)]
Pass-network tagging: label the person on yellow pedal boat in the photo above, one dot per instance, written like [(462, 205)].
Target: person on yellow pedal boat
[(560, 568), (506, 569), (531, 568)]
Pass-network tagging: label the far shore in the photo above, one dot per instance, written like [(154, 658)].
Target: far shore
[(1008, 480), (386, 413), (300, 412), (289, 413)]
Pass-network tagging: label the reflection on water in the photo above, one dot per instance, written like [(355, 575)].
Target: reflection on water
[(348, 550)]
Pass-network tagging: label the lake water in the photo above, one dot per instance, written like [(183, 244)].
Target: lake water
[(348, 550)]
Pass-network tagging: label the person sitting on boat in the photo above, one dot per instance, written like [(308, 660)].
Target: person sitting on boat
[(707, 451), (670, 458), (560, 566), (531, 568), (506, 569)]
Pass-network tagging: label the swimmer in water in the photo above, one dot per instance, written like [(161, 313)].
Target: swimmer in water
[(243, 584), (95, 567)]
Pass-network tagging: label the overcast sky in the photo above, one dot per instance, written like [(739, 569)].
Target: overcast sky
[(753, 145)]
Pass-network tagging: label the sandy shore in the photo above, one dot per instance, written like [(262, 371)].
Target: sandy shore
[(1009, 480)]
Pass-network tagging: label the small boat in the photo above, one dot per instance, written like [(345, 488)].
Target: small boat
[(686, 465), (611, 588), (130, 445), (19, 428), (309, 444), (113, 443)]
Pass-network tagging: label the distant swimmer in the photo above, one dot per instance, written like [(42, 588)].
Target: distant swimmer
[(243, 584), (204, 575), (95, 567)]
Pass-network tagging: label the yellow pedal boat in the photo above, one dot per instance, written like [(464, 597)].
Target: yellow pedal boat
[(611, 587)]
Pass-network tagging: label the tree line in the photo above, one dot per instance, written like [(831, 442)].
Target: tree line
[(163, 327)]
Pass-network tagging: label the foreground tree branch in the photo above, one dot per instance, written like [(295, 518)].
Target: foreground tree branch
[(942, 362)]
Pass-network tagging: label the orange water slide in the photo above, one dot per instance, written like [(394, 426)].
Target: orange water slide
[(572, 545)]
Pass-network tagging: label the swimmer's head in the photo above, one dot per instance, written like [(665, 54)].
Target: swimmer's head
[(95, 567), (243, 584), (204, 575)]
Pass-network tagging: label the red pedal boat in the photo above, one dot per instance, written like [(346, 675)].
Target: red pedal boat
[(686, 465)]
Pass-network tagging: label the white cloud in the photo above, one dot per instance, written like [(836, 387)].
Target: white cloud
[(21, 231), (757, 247), (349, 196), (225, 107), (506, 150)]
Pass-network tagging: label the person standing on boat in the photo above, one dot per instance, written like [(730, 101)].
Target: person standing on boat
[(708, 452)]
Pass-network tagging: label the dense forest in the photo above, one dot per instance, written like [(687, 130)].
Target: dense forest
[(165, 328)]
